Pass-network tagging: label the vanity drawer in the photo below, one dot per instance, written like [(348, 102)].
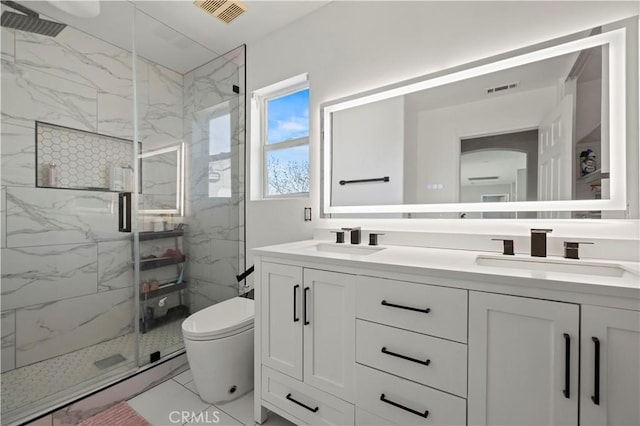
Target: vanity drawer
[(365, 418), (447, 360), (323, 409), (402, 396), (402, 304)]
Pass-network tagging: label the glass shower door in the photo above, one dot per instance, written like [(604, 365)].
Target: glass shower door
[(68, 311), (191, 188)]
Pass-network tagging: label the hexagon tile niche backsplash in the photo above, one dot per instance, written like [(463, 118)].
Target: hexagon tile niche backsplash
[(82, 159)]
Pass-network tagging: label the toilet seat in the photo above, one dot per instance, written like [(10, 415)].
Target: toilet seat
[(221, 320)]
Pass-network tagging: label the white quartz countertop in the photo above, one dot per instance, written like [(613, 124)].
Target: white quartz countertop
[(463, 265)]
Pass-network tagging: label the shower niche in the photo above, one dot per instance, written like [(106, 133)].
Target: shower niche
[(76, 159)]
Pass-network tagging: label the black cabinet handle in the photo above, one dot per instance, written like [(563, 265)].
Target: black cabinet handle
[(408, 358), (306, 291), (409, 308), (567, 366), (596, 372), (411, 410), (313, 410), (124, 212), (295, 311)]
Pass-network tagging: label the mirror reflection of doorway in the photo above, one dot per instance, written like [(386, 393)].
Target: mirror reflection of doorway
[(499, 168)]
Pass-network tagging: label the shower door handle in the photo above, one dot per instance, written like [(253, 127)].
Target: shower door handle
[(124, 212)]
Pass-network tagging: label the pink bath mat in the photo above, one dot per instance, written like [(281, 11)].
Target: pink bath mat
[(120, 414)]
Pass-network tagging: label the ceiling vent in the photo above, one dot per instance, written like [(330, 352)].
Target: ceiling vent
[(503, 87), (224, 10)]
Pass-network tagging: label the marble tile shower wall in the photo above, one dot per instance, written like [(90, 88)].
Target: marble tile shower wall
[(66, 273), (214, 239)]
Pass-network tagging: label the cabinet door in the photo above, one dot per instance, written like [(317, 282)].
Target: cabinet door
[(282, 318), (523, 361), (610, 367), (329, 332)]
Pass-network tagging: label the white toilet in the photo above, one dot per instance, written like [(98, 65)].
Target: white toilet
[(219, 345)]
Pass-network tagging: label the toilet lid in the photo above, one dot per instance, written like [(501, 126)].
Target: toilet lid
[(221, 318)]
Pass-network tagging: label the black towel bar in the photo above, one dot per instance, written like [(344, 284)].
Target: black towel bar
[(382, 179)]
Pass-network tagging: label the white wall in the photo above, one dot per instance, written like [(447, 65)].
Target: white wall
[(350, 47), (368, 142)]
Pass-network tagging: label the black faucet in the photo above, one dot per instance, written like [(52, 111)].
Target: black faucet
[(355, 234), (571, 249), (539, 242)]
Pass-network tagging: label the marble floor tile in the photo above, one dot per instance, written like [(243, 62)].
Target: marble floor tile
[(165, 89), (206, 293), (3, 217), (240, 408), (48, 330), (213, 416), (159, 128), (44, 216), (191, 386), (165, 402), (18, 154), (8, 356), (34, 275), (184, 377), (115, 268), (8, 44), (29, 94), (199, 258), (224, 254), (77, 56), (115, 115)]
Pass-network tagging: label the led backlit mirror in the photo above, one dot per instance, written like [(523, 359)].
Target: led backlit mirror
[(537, 132), (162, 180)]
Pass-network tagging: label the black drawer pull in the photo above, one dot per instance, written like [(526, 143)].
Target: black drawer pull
[(306, 308), (596, 373), (295, 311), (408, 358), (409, 308), (313, 410), (411, 410), (567, 366)]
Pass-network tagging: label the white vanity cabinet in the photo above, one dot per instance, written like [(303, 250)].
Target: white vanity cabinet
[(523, 361), (525, 356), (338, 342), (411, 352), (610, 366), (308, 334)]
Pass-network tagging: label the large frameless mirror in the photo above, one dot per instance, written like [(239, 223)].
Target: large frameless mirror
[(162, 182), (539, 131)]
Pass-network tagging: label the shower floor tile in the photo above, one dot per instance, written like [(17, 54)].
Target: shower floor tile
[(44, 380)]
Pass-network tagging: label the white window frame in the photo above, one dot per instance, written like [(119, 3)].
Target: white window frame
[(259, 132)]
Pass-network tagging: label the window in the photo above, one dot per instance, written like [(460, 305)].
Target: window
[(283, 135)]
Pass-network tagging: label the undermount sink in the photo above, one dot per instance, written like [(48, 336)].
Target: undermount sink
[(345, 248), (567, 266)]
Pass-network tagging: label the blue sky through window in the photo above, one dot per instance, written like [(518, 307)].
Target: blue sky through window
[(288, 117)]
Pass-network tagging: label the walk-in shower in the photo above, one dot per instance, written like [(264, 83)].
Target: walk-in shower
[(106, 132)]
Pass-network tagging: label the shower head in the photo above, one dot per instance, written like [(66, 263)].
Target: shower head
[(30, 21)]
